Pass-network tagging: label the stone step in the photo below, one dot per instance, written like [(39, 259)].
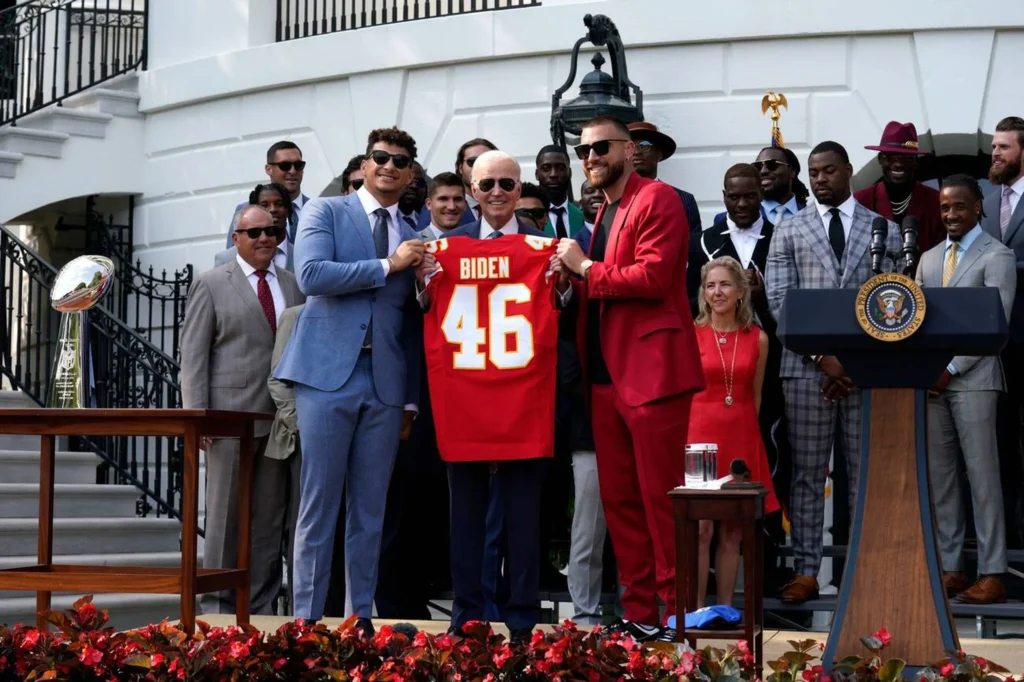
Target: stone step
[(126, 611), (22, 466), (15, 399), (8, 169), (70, 500), (70, 121), (30, 141), (139, 559), (93, 535), (108, 101)]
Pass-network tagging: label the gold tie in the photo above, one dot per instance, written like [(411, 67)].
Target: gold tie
[(952, 258)]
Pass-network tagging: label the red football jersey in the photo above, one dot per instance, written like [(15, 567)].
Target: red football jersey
[(491, 338)]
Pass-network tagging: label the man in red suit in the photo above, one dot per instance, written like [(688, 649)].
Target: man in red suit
[(899, 194), (640, 360)]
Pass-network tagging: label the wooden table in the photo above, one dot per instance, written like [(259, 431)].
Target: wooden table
[(743, 505), (191, 425)]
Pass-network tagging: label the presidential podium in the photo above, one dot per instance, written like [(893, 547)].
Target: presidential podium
[(893, 575)]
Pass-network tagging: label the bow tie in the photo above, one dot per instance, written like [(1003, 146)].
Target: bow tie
[(744, 231)]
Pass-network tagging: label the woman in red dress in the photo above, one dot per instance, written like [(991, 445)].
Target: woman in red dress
[(733, 353)]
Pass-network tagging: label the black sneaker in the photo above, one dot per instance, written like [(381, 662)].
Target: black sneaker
[(667, 635), (639, 632), (366, 625)]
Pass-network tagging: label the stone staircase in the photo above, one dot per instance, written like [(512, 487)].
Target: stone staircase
[(93, 524), (51, 155)]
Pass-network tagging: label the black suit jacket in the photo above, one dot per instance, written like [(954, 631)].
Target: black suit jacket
[(692, 212), (1014, 239), (715, 242), (472, 230)]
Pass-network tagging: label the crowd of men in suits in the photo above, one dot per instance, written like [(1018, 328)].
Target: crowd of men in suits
[(314, 311)]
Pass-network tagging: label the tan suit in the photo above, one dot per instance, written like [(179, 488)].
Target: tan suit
[(226, 347)]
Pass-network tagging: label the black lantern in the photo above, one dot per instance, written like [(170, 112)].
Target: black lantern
[(601, 94)]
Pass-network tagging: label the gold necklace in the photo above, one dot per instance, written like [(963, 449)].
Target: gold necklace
[(731, 372)]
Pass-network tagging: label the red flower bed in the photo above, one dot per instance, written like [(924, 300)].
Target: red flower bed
[(84, 649)]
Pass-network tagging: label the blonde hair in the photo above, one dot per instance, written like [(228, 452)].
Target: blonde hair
[(744, 311)]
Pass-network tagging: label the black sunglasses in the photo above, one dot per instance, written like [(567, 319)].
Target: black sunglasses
[(381, 158), (471, 160), (255, 232), (600, 148), (771, 164), (487, 184), (288, 165), (534, 213), (355, 184)]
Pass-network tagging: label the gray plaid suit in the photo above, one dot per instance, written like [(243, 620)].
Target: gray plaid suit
[(801, 257)]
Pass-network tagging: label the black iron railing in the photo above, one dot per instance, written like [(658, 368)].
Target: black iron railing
[(305, 18), (128, 371), (52, 49)]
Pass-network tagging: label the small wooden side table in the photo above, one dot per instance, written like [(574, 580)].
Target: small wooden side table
[(746, 506), (188, 580)]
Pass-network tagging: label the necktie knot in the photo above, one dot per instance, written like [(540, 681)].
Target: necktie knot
[(495, 234), (1007, 190), (381, 213), (262, 274), (834, 212), (559, 210)]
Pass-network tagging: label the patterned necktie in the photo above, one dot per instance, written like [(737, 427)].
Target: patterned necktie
[(1005, 211), (560, 224), (266, 299), (380, 247), (952, 258), (495, 234), (836, 234)]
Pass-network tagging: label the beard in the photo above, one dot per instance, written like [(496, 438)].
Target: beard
[(1009, 171), (615, 171)]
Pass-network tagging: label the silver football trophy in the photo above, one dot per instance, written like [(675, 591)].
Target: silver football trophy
[(78, 287)]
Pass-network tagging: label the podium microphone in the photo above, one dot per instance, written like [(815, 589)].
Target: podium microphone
[(879, 236), (909, 230)]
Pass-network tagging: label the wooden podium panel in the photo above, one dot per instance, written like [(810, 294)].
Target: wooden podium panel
[(893, 576), (191, 425)]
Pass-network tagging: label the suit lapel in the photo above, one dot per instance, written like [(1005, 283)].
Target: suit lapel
[(244, 289), (857, 246), (814, 231), (1016, 220), (364, 230), (760, 257), (715, 242), (967, 260), (625, 203)]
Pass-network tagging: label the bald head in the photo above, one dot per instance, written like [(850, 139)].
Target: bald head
[(496, 185)]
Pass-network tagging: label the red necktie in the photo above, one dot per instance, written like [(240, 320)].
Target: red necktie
[(266, 299)]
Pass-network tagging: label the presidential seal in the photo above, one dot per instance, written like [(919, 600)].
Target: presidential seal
[(890, 307)]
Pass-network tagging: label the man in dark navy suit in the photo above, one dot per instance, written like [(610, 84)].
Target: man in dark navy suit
[(653, 147)]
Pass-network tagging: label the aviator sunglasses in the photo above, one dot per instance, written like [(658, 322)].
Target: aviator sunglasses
[(487, 184), (381, 158), (286, 166), (534, 213), (254, 232), (771, 164), (600, 148)]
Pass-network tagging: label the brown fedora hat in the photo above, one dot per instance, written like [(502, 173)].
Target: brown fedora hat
[(898, 138), (642, 130)]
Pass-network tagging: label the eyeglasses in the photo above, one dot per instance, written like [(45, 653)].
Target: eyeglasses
[(771, 164), (487, 184), (255, 232), (644, 145), (533, 213), (600, 148), (381, 158), (355, 184), (286, 166)]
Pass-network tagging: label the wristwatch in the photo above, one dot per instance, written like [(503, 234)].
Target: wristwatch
[(585, 267)]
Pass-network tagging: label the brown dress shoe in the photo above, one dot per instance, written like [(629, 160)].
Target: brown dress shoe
[(988, 590), (954, 583), (800, 589)]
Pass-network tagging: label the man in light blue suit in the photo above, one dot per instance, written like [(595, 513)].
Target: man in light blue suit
[(353, 361), (286, 167)]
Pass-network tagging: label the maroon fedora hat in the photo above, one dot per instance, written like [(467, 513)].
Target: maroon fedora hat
[(644, 130), (898, 138)]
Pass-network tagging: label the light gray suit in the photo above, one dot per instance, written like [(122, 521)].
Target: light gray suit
[(962, 420), (226, 347), (800, 257)]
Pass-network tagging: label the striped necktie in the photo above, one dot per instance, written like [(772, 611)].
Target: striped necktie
[(952, 258), (1005, 211)]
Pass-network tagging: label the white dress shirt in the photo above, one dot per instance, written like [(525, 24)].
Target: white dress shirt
[(275, 286), (370, 204), (298, 202), (589, 226), (1016, 190), (553, 217), (845, 216), (511, 227), (744, 239)]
